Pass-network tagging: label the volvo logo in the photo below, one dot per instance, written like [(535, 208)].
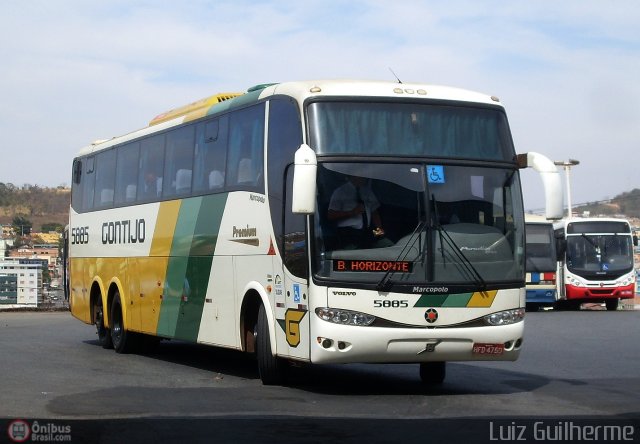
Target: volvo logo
[(431, 315)]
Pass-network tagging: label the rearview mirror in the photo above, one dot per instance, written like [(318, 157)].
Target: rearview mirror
[(551, 181), (304, 180)]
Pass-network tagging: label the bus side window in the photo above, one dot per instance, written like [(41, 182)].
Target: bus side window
[(87, 184), (179, 161), (151, 168), (105, 179), (245, 152), (210, 155), (76, 185), (127, 173)]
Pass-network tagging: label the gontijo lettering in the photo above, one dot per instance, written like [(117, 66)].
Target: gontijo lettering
[(369, 265), (124, 232)]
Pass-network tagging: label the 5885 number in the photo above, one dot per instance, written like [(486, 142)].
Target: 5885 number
[(390, 303), (80, 235)]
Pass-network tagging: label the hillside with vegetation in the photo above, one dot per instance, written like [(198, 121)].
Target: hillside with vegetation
[(626, 204), (41, 206)]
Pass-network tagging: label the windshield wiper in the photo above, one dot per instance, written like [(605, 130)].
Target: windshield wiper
[(386, 283), (462, 260)]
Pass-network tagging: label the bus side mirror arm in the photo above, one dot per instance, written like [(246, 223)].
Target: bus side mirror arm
[(304, 181), (551, 181)]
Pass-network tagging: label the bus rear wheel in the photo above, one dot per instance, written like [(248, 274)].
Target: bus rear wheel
[(271, 368), (104, 333), (433, 373), (121, 338)]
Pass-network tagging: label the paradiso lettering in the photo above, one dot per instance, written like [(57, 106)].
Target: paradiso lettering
[(368, 265), (124, 232)]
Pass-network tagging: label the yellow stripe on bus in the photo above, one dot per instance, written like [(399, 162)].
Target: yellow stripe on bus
[(482, 298), (165, 227)]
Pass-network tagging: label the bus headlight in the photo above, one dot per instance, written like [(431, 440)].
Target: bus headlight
[(575, 282), (505, 317), (345, 317), (626, 281)]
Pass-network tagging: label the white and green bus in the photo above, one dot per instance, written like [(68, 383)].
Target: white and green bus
[(317, 222)]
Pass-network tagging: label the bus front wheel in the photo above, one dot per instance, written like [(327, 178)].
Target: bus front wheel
[(433, 373), (271, 368), (611, 304)]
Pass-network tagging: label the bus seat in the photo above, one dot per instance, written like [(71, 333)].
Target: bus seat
[(106, 196), (245, 171), (183, 181), (216, 179), (130, 193)]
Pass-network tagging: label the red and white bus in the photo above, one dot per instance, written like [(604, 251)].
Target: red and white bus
[(597, 262)]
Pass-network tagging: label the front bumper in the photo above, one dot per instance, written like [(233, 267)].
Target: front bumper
[(334, 343)]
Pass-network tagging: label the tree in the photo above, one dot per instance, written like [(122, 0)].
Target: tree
[(21, 225)]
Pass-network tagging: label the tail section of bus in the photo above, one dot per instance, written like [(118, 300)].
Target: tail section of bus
[(541, 262)]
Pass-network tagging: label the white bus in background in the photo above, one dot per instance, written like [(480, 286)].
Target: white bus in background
[(541, 262), (596, 262), (212, 225)]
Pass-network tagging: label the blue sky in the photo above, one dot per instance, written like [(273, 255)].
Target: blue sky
[(74, 71)]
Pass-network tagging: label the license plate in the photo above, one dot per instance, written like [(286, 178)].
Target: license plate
[(488, 349)]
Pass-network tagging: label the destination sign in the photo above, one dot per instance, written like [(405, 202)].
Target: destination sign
[(371, 265)]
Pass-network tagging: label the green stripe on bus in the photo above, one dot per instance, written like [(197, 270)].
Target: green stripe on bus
[(431, 300), (444, 300), (457, 300), (205, 236), (176, 285)]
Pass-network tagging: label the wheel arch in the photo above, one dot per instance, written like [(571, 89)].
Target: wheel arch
[(116, 286), (97, 293), (254, 296)]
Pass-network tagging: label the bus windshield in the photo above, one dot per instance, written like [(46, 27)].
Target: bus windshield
[(410, 129), (418, 223), (599, 255)]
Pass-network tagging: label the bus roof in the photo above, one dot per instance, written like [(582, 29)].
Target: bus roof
[(564, 222), (371, 88), (301, 91)]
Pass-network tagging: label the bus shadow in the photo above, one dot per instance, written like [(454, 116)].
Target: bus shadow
[(349, 379), (404, 379), (216, 360)]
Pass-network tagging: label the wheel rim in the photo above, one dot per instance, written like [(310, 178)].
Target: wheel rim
[(100, 321), (116, 330)]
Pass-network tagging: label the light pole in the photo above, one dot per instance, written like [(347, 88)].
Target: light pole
[(567, 164)]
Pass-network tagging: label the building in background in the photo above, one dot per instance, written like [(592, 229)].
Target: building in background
[(21, 282)]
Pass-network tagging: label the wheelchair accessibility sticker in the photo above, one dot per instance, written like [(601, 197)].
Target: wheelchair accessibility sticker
[(296, 293), (435, 173)]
